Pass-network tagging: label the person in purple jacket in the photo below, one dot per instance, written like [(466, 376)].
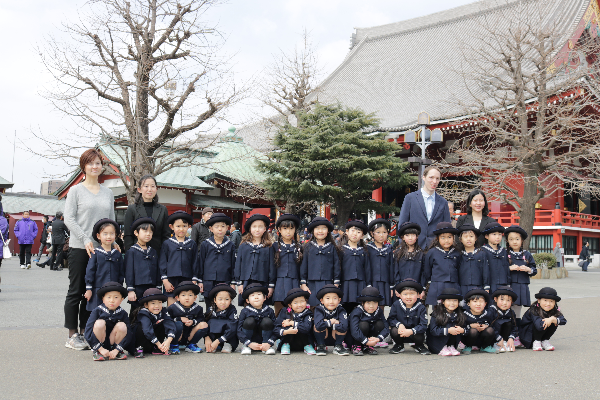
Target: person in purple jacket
[(26, 231), (3, 234)]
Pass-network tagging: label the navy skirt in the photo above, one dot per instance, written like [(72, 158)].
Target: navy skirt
[(218, 325), (314, 287), (464, 289), (435, 289), (94, 301), (352, 289), (242, 302), (522, 290), (385, 291), (284, 285), (174, 280)]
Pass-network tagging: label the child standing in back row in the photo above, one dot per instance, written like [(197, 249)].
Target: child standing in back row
[(216, 256), (381, 259), (473, 270), (356, 269), (496, 255), (440, 267)]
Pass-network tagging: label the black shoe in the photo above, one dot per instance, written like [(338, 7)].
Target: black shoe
[(41, 265), (58, 269), (370, 351), (321, 350), (340, 350), (422, 350), (397, 349)]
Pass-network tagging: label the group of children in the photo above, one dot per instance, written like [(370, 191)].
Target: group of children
[(323, 294)]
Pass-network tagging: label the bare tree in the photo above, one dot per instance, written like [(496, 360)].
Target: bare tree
[(533, 102), (142, 76)]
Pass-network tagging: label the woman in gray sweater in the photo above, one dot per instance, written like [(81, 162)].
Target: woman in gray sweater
[(87, 203)]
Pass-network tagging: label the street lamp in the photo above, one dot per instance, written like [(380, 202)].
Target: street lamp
[(423, 137)]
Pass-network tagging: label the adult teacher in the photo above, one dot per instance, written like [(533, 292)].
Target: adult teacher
[(477, 213), (146, 205), (425, 207), (87, 203)]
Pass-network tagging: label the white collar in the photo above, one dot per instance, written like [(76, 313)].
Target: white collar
[(417, 304), (106, 310), (256, 246), (444, 251), (256, 310), (473, 252), (489, 248), (352, 248), (101, 250), (174, 239), (384, 248), (426, 195), (218, 246), (139, 248), (319, 247), (366, 313)]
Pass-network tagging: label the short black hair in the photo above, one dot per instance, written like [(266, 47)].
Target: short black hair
[(474, 297), (145, 227), (236, 225)]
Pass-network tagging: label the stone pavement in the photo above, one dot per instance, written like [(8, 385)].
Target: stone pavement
[(35, 364)]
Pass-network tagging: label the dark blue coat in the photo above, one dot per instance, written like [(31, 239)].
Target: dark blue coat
[(473, 269), (178, 259), (485, 318), (101, 312), (225, 323), (529, 322), (437, 335), (522, 258), (413, 210), (104, 267), (258, 315), (255, 263), (414, 318), (302, 321), (498, 264), (410, 267), (288, 254), (441, 266), (178, 311), (148, 321), (216, 261), (356, 265), (323, 316), (359, 314), (500, 317), (320, 263), (141, 267), (382, 263)]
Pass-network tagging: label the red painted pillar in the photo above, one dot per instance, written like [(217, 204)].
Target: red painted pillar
[(378, 196)]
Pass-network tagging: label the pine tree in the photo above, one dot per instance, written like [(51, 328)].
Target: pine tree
[(328, 157)]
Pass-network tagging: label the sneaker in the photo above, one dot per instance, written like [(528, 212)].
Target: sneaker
[(182, 347), (475, 348), (308, 349), (174, 349), (382, 344), (321, 350), (28, 266), (537, 346), (490, 349), (139, 352), (97, 356), (226, 348), (461, 346), (156, 351), (85, 343), (121, 356), (508, 348), (467, 350), (502, 349), (422, 350), (445, 351), (453, 351), (397, 349), (357, 350), (339, 350), (270, 352), (192, 348), (285, 349), (23, 266), (76, 343), (370, 351), (41, 265), (547, 346), (246, 350), (518, 343)]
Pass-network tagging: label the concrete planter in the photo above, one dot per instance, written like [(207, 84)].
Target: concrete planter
[(543, 272)]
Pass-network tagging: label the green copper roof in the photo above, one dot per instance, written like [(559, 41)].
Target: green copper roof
[(17, 203), (217, 203)]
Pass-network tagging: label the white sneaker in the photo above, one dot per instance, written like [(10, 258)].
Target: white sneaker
[(501, 349), (75, 342), (28, 266), (23, 266), (547, 346), (270, 352), (246, 350), (226, 348), (537, 346)]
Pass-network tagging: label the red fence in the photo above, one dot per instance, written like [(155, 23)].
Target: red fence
[(550, 218)]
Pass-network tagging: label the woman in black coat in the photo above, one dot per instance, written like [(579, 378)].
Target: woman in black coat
[(146, 205), (584, 256), (477, 213)]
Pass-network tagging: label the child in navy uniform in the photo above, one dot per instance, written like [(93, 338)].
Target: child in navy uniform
[(367, 322), (522, 266), (381, 259), (320, 260), (356, 268), (154, 327), (480, 332), (141, 262), (107, 329), (188, 317), (255, 257), (407, 318), (294, 323), (105, 264), (447, 324), (409, 257), (504, 320), (473, 269), (216, 256), (541, 321), (496, 255), (222, 320), (178, 255), (256, 323), (331, 321), (440, 267), (288, 257)]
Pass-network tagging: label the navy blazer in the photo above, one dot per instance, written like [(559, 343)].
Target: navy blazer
[(382, 263), (414, 318), (323, 317), (485, 318), (409, 267), (258, 315), (441, 266), (498, 264), (473, 269), (288, 254), (413, 210), (437, 335), (101, 312), (141, 267), (148, 321), (356, 265), (529, 322), (194, 312), (104, 267), (256, 263), (358, 315), (500, 317), (178, 259), (522, 258), (302, 321), (225, 323), (320, 263), (216, 261)]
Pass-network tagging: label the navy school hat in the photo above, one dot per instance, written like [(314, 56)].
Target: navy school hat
[(445, 227), (357, 223), (252, 288), (408, 225), (507, 290), (288, 217), (103, 221), (492, 227), (330, 288), (218, 217), (468, 227), (547, 293), (479, 292), (450, 293), (221, 287), (320, 221), (111, 287), (152, 294), (517, 229), (378, 221), (294, 293), (180, 215), (256, 217), (186, 285), (409, 283), (142, 221), (369, 294)]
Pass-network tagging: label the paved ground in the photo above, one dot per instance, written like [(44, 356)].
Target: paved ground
[(35, 364)]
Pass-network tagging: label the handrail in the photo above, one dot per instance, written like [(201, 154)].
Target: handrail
[(549, 218)]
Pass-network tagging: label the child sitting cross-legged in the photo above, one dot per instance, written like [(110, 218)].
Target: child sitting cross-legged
[(408, 318), (294, 323), (154, 327), (480, 332), (188, 317), (367, 322), (255, 325), (108, 325), (331, 321)]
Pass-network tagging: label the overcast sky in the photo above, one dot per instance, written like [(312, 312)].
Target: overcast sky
[(255, 30)]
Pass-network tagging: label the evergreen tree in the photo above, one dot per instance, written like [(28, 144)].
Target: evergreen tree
[(328, 157)]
